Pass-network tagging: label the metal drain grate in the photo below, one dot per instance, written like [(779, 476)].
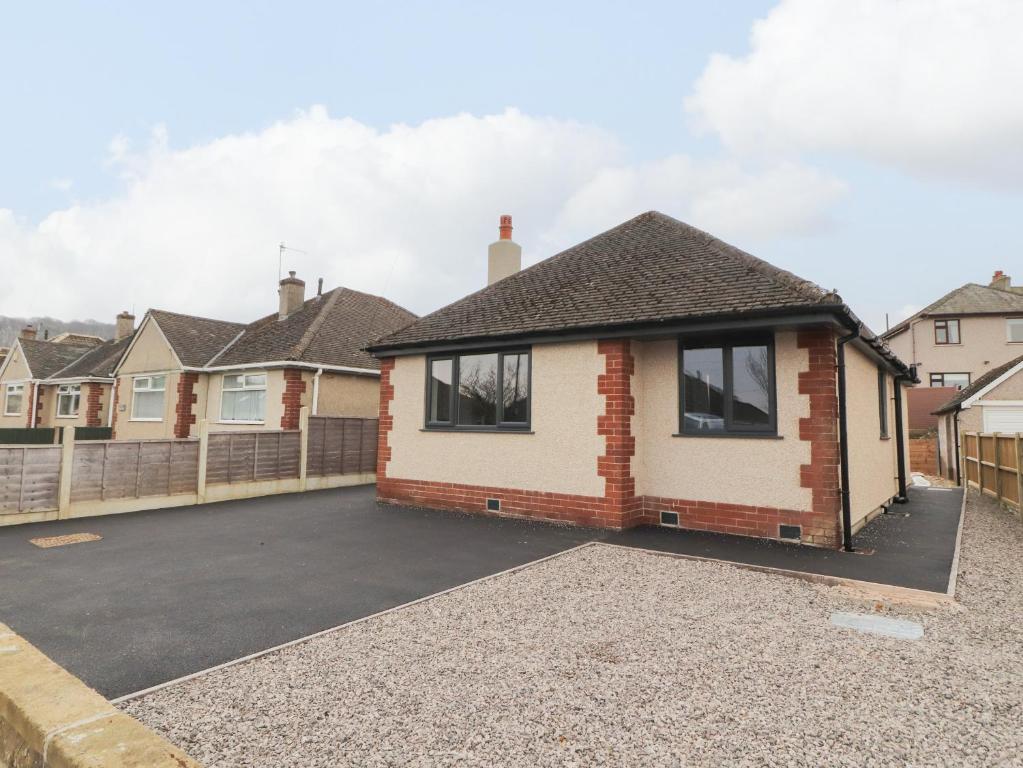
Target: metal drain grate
[(59, 541)]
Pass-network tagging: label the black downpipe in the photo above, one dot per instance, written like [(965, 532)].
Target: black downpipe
[(900, 441), (955, 425), (843, 443)]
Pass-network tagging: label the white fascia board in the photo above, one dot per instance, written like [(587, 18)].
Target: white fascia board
[(972, 399), (284, 364)]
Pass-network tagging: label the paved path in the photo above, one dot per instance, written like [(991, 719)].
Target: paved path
[(175, 591), (913, 546)]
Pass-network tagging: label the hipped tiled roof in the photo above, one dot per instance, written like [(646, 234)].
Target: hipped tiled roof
[(44, 358)]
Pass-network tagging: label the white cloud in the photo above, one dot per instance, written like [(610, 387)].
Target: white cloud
[(929, 86), (405, 212), (62, 185)]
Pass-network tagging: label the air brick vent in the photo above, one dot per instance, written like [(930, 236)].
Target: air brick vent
[(669, 518), (493, 505), (790, 532)]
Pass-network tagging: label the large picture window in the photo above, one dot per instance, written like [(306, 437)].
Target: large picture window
[(946, 331), (728, 386), (243, 398), (14, 395), (479, 390), (147, 398), (68, 398)]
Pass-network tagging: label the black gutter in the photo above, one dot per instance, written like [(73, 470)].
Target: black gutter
[(900, 442), (843, 443)]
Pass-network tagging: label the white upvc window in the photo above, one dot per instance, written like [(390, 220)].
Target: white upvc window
[(243, 398), (14, 395), (1014, 329), (147, 398), (68, 399)]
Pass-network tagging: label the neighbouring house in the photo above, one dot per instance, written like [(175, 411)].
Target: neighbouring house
[(992, 403), (652, 374), (180, 369), (63, 381), (964, 334)]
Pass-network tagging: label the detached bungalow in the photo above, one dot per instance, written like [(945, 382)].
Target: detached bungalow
[(180, 369), (992, 403), (63, 381), (652, 374)]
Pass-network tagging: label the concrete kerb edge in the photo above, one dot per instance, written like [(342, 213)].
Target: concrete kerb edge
[(330, 630), (953, 577), (870, 589)]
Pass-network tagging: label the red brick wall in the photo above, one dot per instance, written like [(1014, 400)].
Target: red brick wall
[(921, 402), (93, 404), (923, 455), (386, 419), (294, 388), (184, 418)]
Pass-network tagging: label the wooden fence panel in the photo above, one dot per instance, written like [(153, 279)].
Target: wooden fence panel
[(29, 479), (993, 464), (133, 469), (341, 446), (242, 457)]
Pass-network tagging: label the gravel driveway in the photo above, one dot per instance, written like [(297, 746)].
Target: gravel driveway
[(612, 656)]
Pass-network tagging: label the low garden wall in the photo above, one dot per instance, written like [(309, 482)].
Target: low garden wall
[(51, 719)]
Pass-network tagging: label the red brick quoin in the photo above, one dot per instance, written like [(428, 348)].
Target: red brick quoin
[(386, 422), (93, 404), (294, 388), (183, 416)]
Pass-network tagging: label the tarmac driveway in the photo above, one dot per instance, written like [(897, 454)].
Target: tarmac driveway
[(170, 592)]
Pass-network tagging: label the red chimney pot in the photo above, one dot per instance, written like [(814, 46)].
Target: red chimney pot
[(506, 227)]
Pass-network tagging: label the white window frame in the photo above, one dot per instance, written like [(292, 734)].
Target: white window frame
[(20, 385), (1009, 322), (135, 389), (72, 391), (245, 387)]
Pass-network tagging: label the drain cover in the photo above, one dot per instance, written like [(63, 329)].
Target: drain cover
[(878, 625), (59, 541)]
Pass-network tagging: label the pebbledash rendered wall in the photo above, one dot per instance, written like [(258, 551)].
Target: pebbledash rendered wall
[(603, 450)]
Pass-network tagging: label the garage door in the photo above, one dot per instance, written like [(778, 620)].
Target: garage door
[(1003, 419)]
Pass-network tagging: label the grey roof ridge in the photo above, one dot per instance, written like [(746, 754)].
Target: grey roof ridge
[(314, 327)]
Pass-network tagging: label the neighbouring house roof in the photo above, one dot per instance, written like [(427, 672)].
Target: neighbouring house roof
[(648, 271), (332, 329), (969, 299), (98, 362), (980, 384), (44, 358), (81, 339), (195, 340)]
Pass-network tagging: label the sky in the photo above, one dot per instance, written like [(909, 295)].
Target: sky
[(156, 155)]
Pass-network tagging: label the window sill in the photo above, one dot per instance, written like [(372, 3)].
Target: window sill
[(151, 421), (75, 416), (734, 435), (480, 430), (886, 437), (244, 423)]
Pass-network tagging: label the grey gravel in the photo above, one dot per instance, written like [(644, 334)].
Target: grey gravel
[(608, 656)]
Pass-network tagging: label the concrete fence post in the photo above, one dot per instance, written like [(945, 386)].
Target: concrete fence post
[(204, 447), (303, 445), (67, 463)]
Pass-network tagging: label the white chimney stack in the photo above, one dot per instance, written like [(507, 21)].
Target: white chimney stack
[(292, 292), (504, 258)]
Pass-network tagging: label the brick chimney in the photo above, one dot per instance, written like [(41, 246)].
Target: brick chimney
[(292, 292), (1001, 281), (125, 325), (28, 332), (504, 258)]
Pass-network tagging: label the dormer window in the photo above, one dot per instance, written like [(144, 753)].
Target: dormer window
[(946, 331)]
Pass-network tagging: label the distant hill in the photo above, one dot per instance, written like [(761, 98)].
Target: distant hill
[(10, 327)]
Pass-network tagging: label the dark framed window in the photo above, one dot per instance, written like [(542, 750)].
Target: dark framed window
[(478, 390), (946, 331), (882, 400), (958, 380), (727, 386)]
